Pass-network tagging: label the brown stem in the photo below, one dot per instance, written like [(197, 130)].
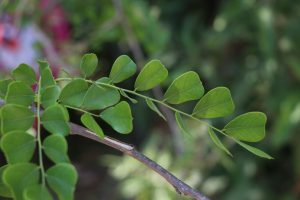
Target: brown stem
[(181, 187)]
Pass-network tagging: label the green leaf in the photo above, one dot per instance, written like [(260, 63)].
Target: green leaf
[(19, 93), (217, 141), (127, 97), (54, 120), (36, 192), (47, 78), (254, 150), (19, 176), (181, 124), (88, 64), (119, 117), (122, 69), (62, 179), (249, 127), (43, 65), (25, 74), (153, 107), (89, 122), (215, 103), (73, 93), (98, 97), (16, 117), (184, 88), (56, 148), (49, 96), (4, 189), (151, 75), (4, 86), (18, 146)]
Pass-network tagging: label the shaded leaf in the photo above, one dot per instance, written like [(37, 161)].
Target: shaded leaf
[(88, 64), (4, 189), (249, 127), (62, 179), (89, 122), (56, 148), (119, 117), (49, 96), (19, 93), (153, 107), (217, 141), (36, 192), (47, 77), (254, 150), (54, 120), (4, 86), (16, 117), (18, 146), (73, 93), (19, 176), (151, 75), (181, 124), (122, 69), (24, 73), (184, 88), (215, 103)]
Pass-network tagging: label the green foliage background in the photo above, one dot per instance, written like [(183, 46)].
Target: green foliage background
[(249, 46)]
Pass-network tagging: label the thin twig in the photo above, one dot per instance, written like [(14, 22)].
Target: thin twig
[(181, 187), (140, 59)]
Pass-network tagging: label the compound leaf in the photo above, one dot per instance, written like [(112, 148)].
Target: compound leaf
[(88, 64), (122, 69), (34, 192), (16, 117), (19, 93), (254, 150), (18, 146), (217, 141), (24, 73), (55, 121), (73, 93), (56, 148), (215, 103), (184, 88), (249, 127), (153, 107), (19, 176), (89, 122), (62, 179), (119, 117), (151, 75)]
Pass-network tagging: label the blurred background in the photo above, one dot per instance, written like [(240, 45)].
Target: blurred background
[(249, 46)]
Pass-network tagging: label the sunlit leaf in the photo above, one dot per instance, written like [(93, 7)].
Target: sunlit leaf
[(153, 107), (62, 179), (54, 120), (19, 176), (184, 88), (73, 93), (254, 150), (122, 69), (249, 127), (89, 122), (16, 117), (88, 64), (56, 148), (25, 74), (19, 93), (151, 75), (215, 103), (18, 146), (36, 192), (217, 141), (119, 117)]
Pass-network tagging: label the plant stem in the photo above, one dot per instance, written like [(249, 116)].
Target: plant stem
[(40, 147)]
